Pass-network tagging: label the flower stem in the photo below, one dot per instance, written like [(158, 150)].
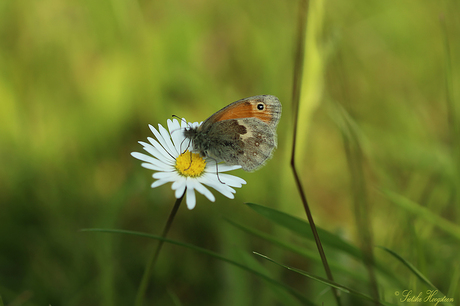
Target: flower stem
[(153, 259)]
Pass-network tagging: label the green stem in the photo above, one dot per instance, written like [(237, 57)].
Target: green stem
[(153, 259)]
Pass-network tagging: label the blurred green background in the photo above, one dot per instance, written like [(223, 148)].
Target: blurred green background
[(81, 80)]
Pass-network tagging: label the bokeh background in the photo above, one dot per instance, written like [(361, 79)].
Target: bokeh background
[(80, 81)]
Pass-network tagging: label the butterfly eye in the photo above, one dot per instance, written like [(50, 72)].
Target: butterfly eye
[(260, 106)]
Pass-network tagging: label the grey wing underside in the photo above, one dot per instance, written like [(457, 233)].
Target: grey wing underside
[(249, 147)]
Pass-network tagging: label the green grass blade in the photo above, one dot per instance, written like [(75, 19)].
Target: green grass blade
[(292, 291), (414, 270), (454, 283), (278, 293), (326, 282), (1, 301), (410, 267), (305, 253), (422, 212), (302, 228), (298, 250), (174, 298)]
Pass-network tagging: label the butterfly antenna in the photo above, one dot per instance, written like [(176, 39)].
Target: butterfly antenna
[(188, 146), (180, 119)]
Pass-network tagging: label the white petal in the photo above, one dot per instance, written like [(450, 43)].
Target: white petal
[(211, 165), (161, 140), (191, 199), (169, 176), (231, 180), (173, 125), (186, 145), (221, 167), (180, 191), (150, 160), (143, 157), (177, 134), (209, 179), (157, 150), (222, 188), (224, 167), (155, 167), (225, 190), (167, 138), (158, 183), (204, 191), (180, 182)]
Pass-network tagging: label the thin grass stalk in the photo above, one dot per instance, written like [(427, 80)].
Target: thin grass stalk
[(273, 281), (296, 93), (452, 118), (153, 259)]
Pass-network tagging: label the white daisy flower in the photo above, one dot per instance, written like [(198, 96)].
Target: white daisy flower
[(187, 171)]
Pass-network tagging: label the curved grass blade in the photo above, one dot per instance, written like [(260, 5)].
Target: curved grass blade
[(454, 283), (292, 291), (327, 282), (413, 269), (174, 298), (298, 250), (281, 295), (410, 267), (423, 212), (302, 228)]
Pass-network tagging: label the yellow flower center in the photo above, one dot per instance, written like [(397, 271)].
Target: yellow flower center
[(190, 164)]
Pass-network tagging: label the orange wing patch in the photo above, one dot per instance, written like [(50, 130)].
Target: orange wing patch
[(244, 110)]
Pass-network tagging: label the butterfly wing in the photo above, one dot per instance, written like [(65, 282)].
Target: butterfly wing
[(242, 133), (248, 142), (249, 108), (258, 143)]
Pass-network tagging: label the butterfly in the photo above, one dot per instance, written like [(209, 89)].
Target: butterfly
[(242, 133)]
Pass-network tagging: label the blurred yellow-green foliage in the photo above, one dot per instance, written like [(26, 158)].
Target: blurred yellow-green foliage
[(81, 80)]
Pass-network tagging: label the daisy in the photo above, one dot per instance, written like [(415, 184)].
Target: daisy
[(186, 171)]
